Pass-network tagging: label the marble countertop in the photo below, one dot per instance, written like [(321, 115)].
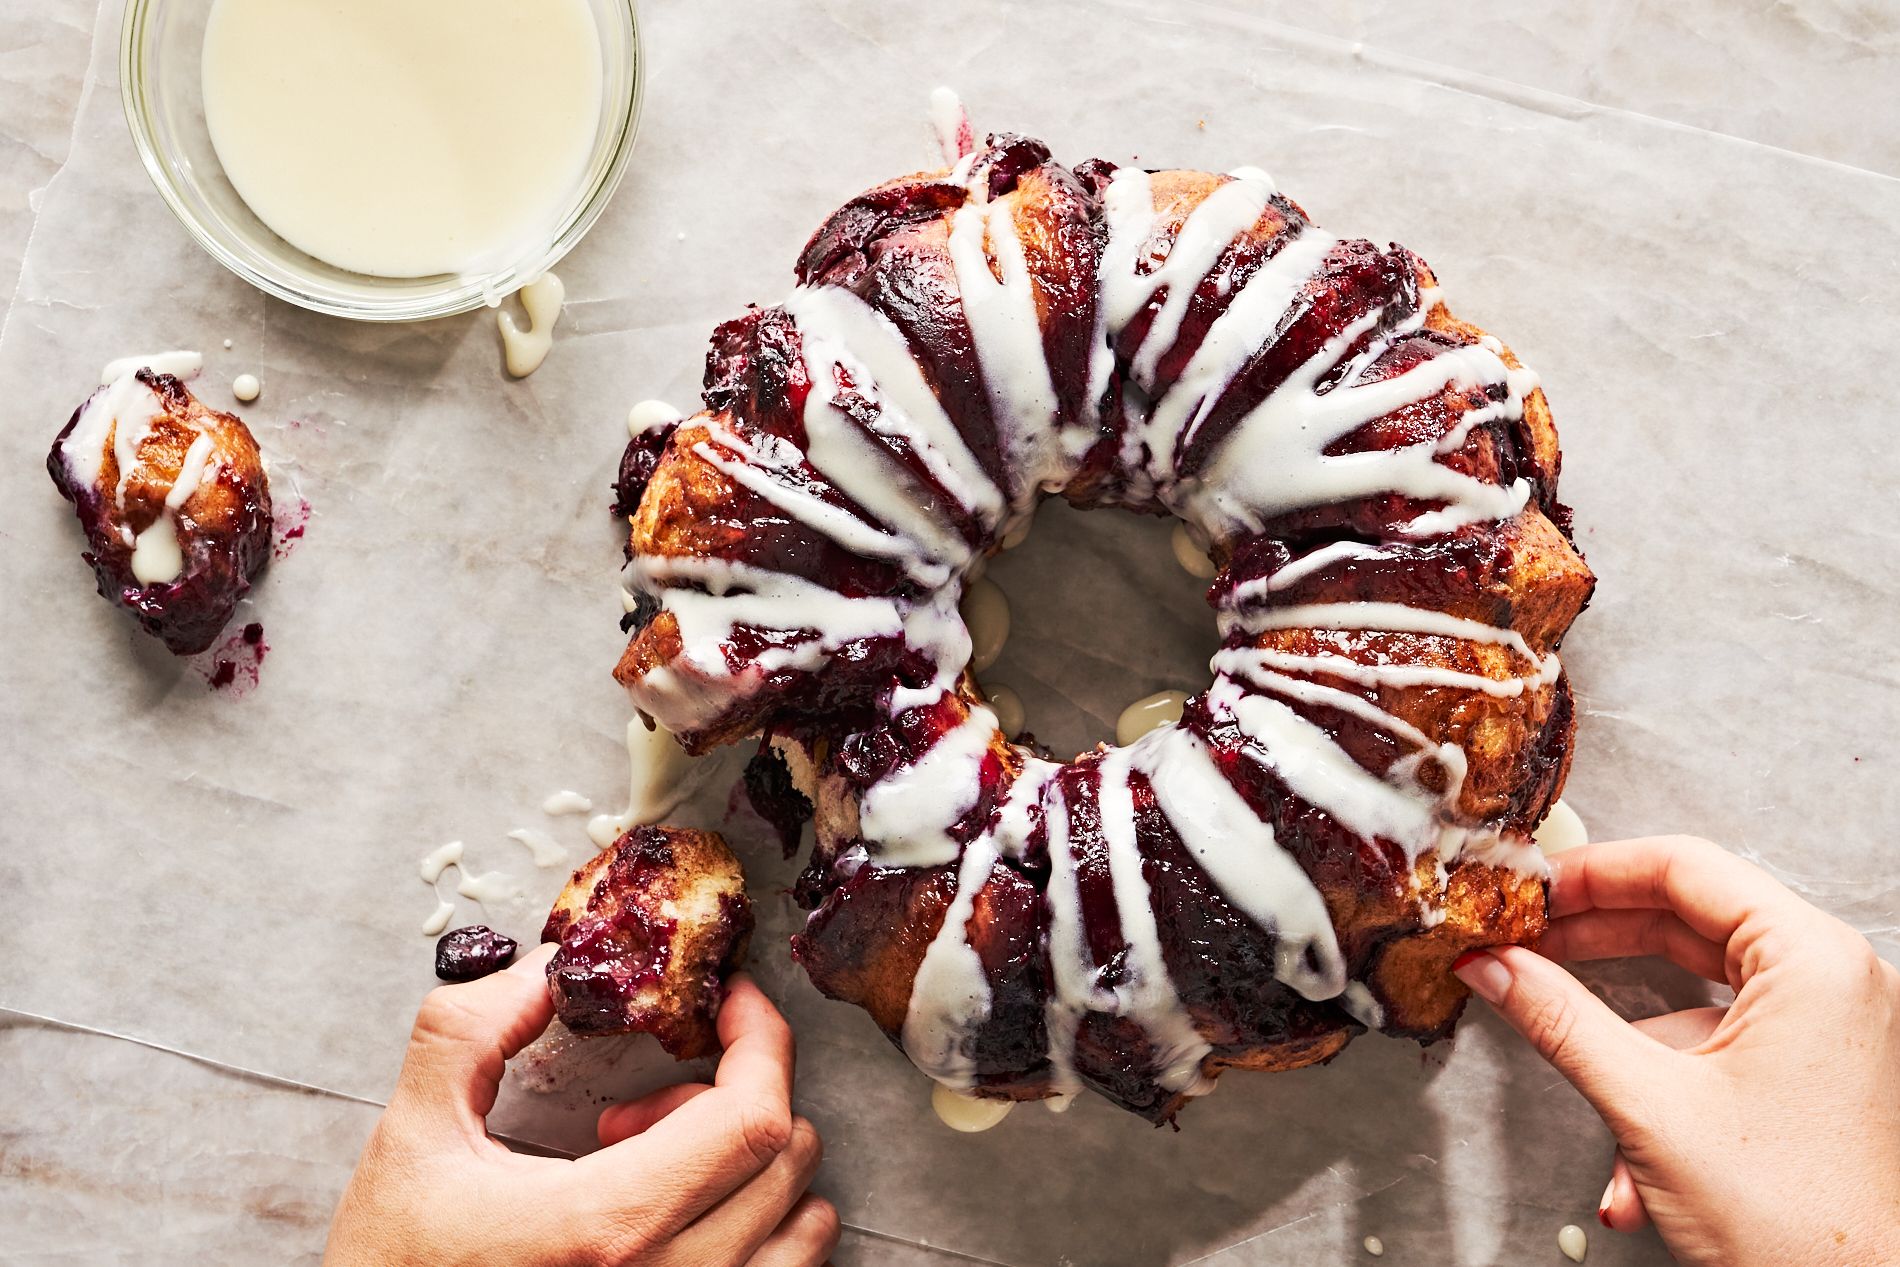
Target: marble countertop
[(1708, 174)]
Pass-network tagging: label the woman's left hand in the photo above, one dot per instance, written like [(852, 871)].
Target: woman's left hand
[(694, 1174)]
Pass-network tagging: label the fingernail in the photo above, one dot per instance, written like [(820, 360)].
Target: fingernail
[(1484, 973), (1603, 1206)]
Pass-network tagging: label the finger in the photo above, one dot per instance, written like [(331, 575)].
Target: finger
[(1619, 934), (1622, 1209), (806, 1236), (636, 1117), (464, 1036), (1602, 1055), (760, 1054), (1711, 889), (734, 1229), (716, 1140)]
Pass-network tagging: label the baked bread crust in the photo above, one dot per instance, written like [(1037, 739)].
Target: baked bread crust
[(222, 525), (1425, 656)]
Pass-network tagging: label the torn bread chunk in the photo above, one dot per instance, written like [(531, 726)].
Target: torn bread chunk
[(647, 930), (174, 500)]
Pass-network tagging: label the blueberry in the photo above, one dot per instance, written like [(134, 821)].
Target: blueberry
[(468, 954)]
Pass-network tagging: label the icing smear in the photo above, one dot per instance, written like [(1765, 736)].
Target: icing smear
[(661, 776), (118, 419), (525, 347)]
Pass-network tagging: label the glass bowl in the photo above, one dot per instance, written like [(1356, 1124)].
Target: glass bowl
[(160, 77)]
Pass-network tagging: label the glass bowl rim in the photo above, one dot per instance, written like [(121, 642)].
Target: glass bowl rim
[(453, 295)]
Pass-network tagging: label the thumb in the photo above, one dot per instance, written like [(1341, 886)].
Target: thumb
[(464, 1037), (1604, 1057)]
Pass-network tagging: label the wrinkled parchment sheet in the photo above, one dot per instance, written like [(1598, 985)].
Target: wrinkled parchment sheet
[(233, 873)]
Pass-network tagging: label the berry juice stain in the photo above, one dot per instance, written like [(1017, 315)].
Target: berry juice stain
[(235, 662)]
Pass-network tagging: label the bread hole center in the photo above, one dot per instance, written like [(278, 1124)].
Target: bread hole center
[(1101, 614)]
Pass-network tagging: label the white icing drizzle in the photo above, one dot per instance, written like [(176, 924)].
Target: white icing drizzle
[(1249, 320), (180, 364), (985, 612), (246, 387), (1318, 560), (132, 426), (735, 594), (545, 849), (952, 124), (869, 476), (1321, 772), (661, 776), (524, 350), (490, 888), (1374, 1246), (1008, 707), (196, 468), (967, 1113), (1241, 856), (648, 415), (773, 468), (1001, 310), (1150, 712), (836, 328), (1146, 995), (438, 919), (906, 817), (440, 859), (1273, 462), (1191, 555), (117, 418), (1561, 829), (1361, 1006), (1396, 675), (157, 557), (1572, 1242), (1388, 617), (1204, 237), (566, 802), (950, 996), (1072, 975)]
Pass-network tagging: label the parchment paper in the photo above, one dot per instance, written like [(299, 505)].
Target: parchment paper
[(232, 872)]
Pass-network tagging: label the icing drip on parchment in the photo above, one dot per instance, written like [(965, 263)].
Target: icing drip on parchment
[(525, 347), (1288, 452)]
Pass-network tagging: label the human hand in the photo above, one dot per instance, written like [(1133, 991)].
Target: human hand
[(1767, 1132), (690, 1175)]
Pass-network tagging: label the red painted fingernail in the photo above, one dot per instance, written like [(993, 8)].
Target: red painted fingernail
[(1484, 974)]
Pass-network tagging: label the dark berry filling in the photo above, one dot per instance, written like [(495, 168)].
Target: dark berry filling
[(468, 954), (768, 786)]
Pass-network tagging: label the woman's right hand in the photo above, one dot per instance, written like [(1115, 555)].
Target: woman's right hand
[(1766, 1132)]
